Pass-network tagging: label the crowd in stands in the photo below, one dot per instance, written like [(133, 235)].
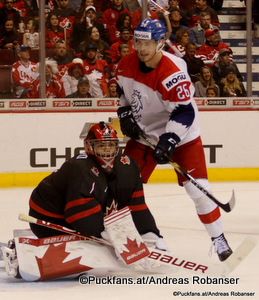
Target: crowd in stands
[(85, 40)]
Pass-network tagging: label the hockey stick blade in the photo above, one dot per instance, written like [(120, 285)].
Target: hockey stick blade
[(242, 251), (227, 207)]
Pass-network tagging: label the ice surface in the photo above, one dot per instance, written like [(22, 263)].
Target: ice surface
[(176, 217)]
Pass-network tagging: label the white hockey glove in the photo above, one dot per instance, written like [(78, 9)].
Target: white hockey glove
[(154, 241), (125, 238)]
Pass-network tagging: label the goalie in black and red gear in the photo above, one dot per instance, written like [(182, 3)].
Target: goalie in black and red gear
[(81, 195), (91, 185)]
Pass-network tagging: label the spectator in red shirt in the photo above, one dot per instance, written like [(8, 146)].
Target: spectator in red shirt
[(124, 20), (124, 39), (137, 17), (96, 71), (54, 87), (110, 15), (23, 72), (54, 31), (209, 52), (66, 17)]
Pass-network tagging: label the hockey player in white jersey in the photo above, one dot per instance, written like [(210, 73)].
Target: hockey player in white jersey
[(156, 97)]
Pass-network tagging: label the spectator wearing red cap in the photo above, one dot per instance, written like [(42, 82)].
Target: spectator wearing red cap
[(198, 31), (112, 89), (209, 51), (194, 13)]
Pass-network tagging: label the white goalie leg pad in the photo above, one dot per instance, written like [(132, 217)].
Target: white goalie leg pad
[(63, 256), (124, 236)]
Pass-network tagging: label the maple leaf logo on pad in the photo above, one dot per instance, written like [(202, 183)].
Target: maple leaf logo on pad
[(52, 265), (135, 253)]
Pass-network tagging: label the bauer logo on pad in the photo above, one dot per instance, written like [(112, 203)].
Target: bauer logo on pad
[(136, 252)]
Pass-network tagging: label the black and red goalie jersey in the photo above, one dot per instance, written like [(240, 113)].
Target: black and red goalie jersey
[(80, 194)]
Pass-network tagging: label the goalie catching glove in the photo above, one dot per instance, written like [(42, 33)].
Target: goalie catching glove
[(165, 147), (129, 127)]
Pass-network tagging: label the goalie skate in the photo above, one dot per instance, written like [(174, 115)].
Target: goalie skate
[(10, 260)]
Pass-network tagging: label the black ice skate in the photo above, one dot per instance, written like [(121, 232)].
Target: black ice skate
[(221, 247)]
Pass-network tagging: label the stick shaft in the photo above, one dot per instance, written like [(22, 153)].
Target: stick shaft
[(33, 220)]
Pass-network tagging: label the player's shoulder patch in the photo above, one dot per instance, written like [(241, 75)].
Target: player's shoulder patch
[(82, 156), (174, 79), (125, 160)]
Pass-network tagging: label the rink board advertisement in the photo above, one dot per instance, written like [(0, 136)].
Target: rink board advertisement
[(35, 144)]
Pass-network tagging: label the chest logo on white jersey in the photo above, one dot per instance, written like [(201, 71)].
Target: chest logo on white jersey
[(173, 80), (136, 103)]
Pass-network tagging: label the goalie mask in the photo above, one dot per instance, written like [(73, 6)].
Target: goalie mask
[(102, 142)]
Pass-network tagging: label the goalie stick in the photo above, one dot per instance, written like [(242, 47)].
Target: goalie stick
[(227, 207), (167, 258)]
